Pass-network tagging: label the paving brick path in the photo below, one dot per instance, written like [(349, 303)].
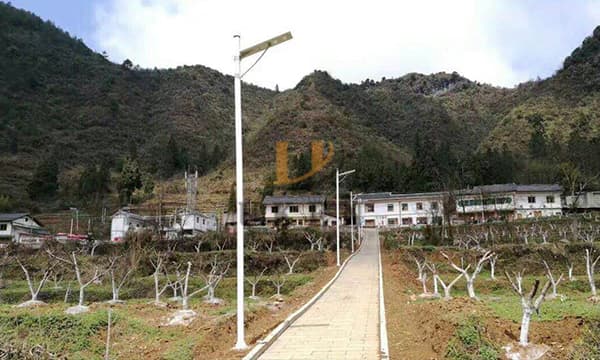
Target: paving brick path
[(344, 322)]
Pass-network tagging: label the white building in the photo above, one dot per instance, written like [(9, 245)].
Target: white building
[(124, 221), (508, 202), (298, 210), (191, 224), (21, 228), (583, 201), (399, 210)]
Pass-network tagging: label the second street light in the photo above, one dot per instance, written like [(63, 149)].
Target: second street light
[(338, 175), (239, 169)]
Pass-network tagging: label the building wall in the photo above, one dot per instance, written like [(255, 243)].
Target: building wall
[(6, 234), (403, 213), (518, 207), (584, 201), (303, 217), (121, 224)]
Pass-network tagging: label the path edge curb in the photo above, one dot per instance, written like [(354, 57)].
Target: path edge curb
[(262, 345), (384, 353)]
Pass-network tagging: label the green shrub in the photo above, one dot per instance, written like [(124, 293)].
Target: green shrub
[(588, 346), (470, 343)]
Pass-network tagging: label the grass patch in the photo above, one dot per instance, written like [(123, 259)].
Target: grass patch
[(471, 343)]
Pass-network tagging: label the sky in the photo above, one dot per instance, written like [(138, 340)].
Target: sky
[(499, 42)]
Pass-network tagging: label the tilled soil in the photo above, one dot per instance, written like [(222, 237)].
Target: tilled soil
[(421, 329)]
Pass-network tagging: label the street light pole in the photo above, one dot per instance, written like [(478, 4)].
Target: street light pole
[(337, 209), (239, 171), (239, 181), (351, 222), (337, 214)]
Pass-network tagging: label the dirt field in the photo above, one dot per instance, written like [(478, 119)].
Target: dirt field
[(420, 329)]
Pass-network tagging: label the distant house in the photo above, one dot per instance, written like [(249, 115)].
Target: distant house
[(385, 209), (508, 202), (124, 221), (188, 224), (21, 228), (306, 210), (583, 201)]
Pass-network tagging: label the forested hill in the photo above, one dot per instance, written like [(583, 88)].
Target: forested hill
[(77, 130)]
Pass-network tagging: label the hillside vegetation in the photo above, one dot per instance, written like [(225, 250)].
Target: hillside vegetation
[(78, 130)]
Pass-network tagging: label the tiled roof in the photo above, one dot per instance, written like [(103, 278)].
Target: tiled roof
[(390, 196), (11, 217), (289, 199), (504, 188)]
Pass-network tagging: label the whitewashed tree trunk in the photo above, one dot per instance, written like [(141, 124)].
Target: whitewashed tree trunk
[(254, 280), (470, 278), (420, 267), (34, 290), (448, 288), (290, 263), (213, 278), (529, 304), (570, 270), (553, 281), (590, 265), (493, 267), (185, 297)]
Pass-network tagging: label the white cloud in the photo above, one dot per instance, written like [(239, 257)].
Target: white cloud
[(353, 40)]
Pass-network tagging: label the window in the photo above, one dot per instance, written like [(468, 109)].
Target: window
[(422, 220), (531, 199), (197, 219), (392, 221), (312, 208), (550, 199), (3, 227), (404, 207), (407, 221), (294, 208), (434, 205), (419, 206), (390, 207), (274, 209), (369, 207)]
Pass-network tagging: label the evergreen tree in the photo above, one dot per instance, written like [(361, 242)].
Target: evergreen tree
[(130, 179), (45, 180)]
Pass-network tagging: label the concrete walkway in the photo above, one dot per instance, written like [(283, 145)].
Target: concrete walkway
[(344, 322)]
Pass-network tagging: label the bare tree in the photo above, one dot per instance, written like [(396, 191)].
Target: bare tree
[(529, 303), (314, 241), (81, 275), (217, 272), (553, 281), (254, 280), (269, 242), (448, 288), (34, 290), (278, 281), (157, 262), (433, 268), (493, 260), (421, 264), (471, 277), (119, 272), (570, 271), (185, 294), (175, 284), (199, 243), (590, 265), (290, 261)]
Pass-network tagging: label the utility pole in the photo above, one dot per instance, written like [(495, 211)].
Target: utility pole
[(239, 168), (351, 222), (337, 208)]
